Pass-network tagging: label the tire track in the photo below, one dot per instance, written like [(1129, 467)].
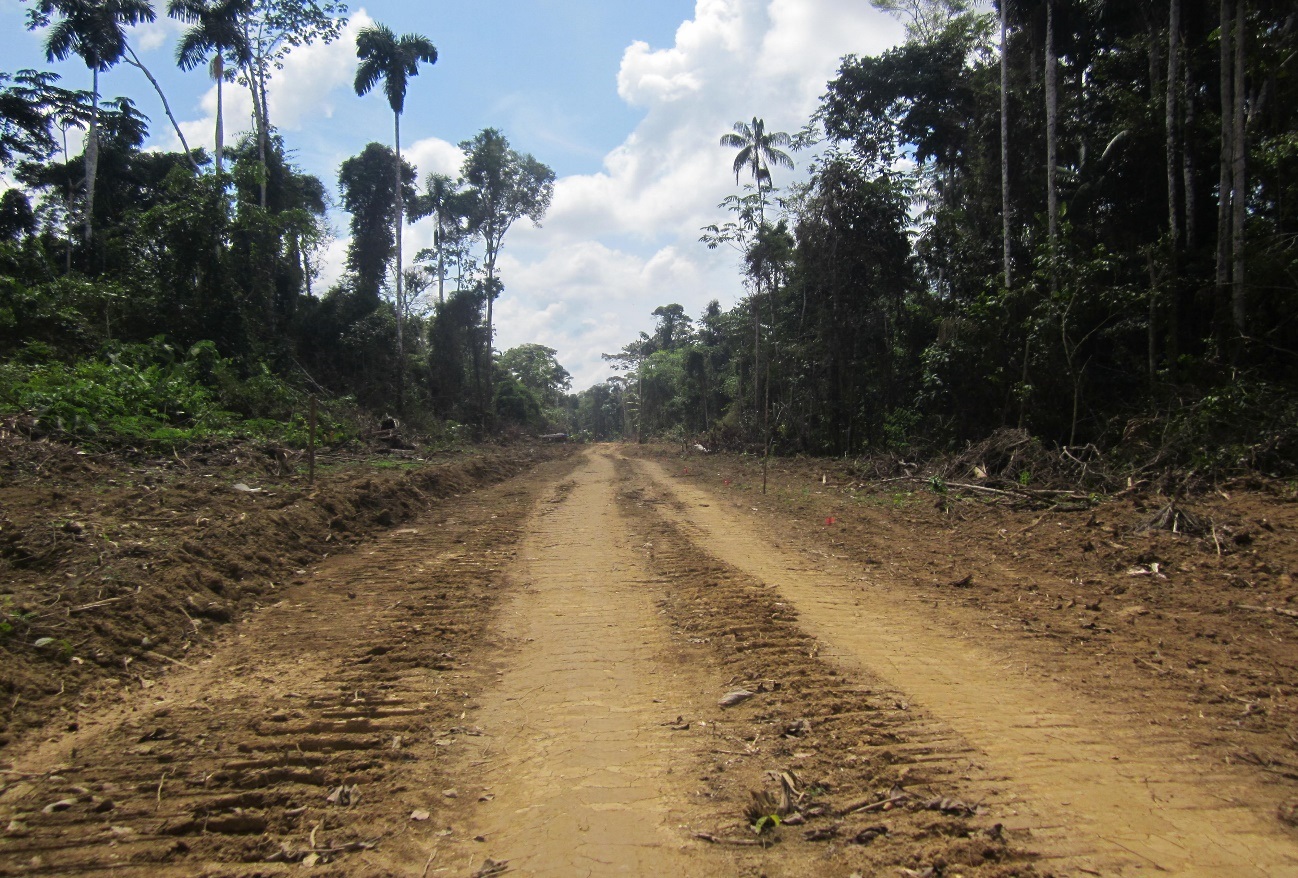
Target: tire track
[(1101, 793), (578, 773), (840, 740), (307, 740)]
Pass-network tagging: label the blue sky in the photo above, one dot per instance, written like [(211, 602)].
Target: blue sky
[(625, 100)]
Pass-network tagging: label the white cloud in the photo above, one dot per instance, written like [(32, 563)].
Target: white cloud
[(733, 60), (432, 155), (155, 34)]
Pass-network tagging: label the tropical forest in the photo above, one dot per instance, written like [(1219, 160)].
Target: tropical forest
[(709, 438)]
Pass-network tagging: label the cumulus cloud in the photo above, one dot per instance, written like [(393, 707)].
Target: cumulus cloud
[(432, 155), (618, 243)]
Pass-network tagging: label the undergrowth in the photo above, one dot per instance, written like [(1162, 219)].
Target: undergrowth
[(148, 394)]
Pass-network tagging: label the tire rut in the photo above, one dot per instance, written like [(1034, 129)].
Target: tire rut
[(1100, 793), (876, 783), (575, 768), (308, 739)]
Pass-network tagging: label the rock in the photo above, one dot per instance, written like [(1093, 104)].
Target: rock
[(730, 699)]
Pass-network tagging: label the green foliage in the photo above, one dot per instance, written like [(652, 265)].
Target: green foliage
[(516, 404), (143, 393), (11, 619), (1246, 425)]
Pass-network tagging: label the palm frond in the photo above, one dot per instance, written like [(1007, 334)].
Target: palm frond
[(367, 76), (742, 160), (61, 41), (192, 50), (188, 11)]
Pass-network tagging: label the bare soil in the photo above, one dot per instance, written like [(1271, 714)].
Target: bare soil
[(626, 661)]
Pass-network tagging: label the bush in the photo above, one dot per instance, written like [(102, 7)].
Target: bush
[(142, 393)]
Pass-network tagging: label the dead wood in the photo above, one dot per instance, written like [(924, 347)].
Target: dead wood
[(1281, 611), (873, 804), (716, 839)]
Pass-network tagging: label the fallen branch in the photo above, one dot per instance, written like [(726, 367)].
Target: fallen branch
[(167, 658), (102, 603), (1293, 614), (872, 805), (716, 839)]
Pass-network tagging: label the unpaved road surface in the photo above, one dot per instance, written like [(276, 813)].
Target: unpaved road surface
[(614, 664)]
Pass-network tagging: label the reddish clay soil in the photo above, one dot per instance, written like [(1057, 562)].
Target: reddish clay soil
[(626, 661)]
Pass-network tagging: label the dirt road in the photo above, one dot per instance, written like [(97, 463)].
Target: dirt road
[(600, 667), (1098, 788)]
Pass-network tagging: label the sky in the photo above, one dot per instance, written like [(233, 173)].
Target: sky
[(625, 99)]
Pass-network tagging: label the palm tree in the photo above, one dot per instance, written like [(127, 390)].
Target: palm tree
[(217, 30), (394, 60), (758, 149), (440, 200), (93, 30)]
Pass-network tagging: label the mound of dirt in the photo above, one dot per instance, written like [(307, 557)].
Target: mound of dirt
[(114, 568)]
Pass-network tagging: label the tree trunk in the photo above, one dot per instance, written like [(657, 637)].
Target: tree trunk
[(1226, 162), (441, 261), (1173, 205), (257, 85), (490, 258), (1239, 196), (401, 304), (1052, 144), (1188, 171), (92, 156), (218, 71), (1005, 149), (67, 203), (757, 349)]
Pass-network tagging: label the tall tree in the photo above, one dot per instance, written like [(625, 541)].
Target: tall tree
[(442, 201), (217, 30), (94, 30), (366, 184), (1006, 255), (503, 186), (273, 30), (394, 60), (1052, 143), (1239, 163), (758, 150)]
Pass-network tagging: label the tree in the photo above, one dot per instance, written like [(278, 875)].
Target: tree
[(758, 150), (392, 59), (1052, 143), (925, 19), (27, 109), (1006, 255), (95, 31), (367, 188), (217, 31), (503, 186), (273, 30), (537, 368), (444, 202), (673, 328)]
